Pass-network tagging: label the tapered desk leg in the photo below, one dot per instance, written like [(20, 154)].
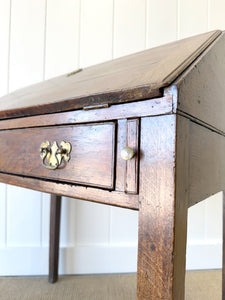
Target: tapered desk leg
[(223, 267), (163, 208), (54, 238)]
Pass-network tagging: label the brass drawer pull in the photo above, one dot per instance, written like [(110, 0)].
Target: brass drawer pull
[(127, 153), (54, 154)]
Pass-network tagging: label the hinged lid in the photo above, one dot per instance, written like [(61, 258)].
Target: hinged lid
[(134, 77)]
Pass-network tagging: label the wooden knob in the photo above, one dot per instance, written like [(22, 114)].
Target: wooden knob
[(127, 153)]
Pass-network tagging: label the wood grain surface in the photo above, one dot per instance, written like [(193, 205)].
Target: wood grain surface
[(163, 208), (182, 180), (201, 87), (179, 159), (121, 163), (156, 214), (115, 198), (207, 164), (152, 107), (55, 212), (92, 154), (137, 76), (132, 165)]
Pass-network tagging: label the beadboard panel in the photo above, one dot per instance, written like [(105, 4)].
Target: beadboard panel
[(5, 8), (124, 226), (96, 34), (45, 219), (205, 220), (216, 14), (68, 222), (129, 26), (98, 259), (197, 212), (26, 65), (72, 260), (166, 23), (204, 255), (27, 38), (92, 226), (193, 17), (62, 37), (213, 218), (23, 217), (4, 42), (3, 220), (46, 38)]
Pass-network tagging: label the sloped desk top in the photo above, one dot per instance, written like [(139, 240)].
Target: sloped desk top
[(138, 76)]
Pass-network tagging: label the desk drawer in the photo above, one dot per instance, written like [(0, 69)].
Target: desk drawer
[(91, 157)]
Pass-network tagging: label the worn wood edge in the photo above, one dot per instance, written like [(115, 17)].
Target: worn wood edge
[(150, 107), (175, 86), (181, 205), (120, 163), (173, 92), (54, 237), (201, 123), (179, 79), (156, 213), (197, 195), (114, 198), (121, 96), (132, 166), (206, 163), (24, 141), (113, 162), (181, 68), (163, 223)]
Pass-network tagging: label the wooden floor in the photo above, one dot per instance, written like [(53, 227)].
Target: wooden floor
[(199, 286)]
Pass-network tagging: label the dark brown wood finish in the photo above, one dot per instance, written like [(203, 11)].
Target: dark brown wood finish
[(120, 163), (115, 198), (54, 238), (207, 163), (133, 164), (92, 154), (163, 208), (206, 78), (152, 107), (127, 171), (137, 76), (182, 182)]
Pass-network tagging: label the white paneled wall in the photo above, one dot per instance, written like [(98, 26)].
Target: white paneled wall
[(96, 34), (62, 37), (129, 26), (193, 21), (4, 44), (27, 41), (161, 22), (45, 38)]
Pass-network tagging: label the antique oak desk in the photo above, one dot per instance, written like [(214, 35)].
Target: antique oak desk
[(145, 132)]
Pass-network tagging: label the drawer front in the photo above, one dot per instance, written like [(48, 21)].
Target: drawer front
[(91, 158)]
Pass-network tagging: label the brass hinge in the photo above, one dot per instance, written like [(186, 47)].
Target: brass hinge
[(74, 72), (98, 106)]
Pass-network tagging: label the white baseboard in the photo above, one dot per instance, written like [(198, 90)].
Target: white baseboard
[(95, 259), (25, 261), (204, 256)]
